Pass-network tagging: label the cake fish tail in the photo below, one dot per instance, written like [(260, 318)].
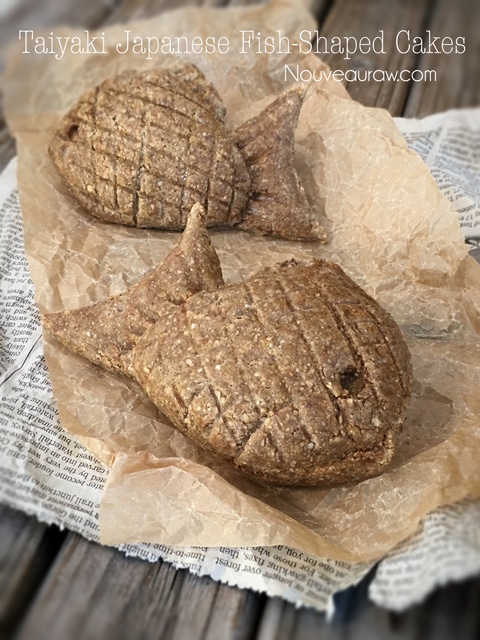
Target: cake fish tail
[(106, 332), (278, 205)]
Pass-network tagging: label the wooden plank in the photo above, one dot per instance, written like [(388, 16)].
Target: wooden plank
[(457, 74), (27, 549), (367, 19), (97, 592), (239, 621), (450, 612), (132, 10), (7, 144)]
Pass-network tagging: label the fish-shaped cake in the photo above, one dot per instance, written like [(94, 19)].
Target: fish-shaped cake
[(295, 376), (142, 148)]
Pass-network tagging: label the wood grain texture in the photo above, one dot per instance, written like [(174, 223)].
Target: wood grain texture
[(96, 592), (132, 10), (450, 612), (367, 19), (27, 549), (457, 81), (7, 143)]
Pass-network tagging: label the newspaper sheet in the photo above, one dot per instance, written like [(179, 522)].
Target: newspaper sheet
[(449, 144), (46, 473)]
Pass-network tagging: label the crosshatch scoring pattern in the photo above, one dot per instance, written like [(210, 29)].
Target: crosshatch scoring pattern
[(214, 360), (125, 180)]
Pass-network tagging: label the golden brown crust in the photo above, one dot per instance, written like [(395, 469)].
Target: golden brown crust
[(296, 376), (142, 148)]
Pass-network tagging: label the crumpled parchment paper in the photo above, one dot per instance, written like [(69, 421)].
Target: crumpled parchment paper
[(389, 228)]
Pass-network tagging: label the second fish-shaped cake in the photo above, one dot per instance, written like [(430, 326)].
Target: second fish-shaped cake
[(142, 148)]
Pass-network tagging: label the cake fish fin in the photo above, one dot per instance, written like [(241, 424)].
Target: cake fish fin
[(278, 205), (106, 332)]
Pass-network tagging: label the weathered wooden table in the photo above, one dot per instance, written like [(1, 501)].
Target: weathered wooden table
[(57, 586)]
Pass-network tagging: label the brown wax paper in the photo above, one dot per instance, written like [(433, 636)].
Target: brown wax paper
[(389, 228)]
